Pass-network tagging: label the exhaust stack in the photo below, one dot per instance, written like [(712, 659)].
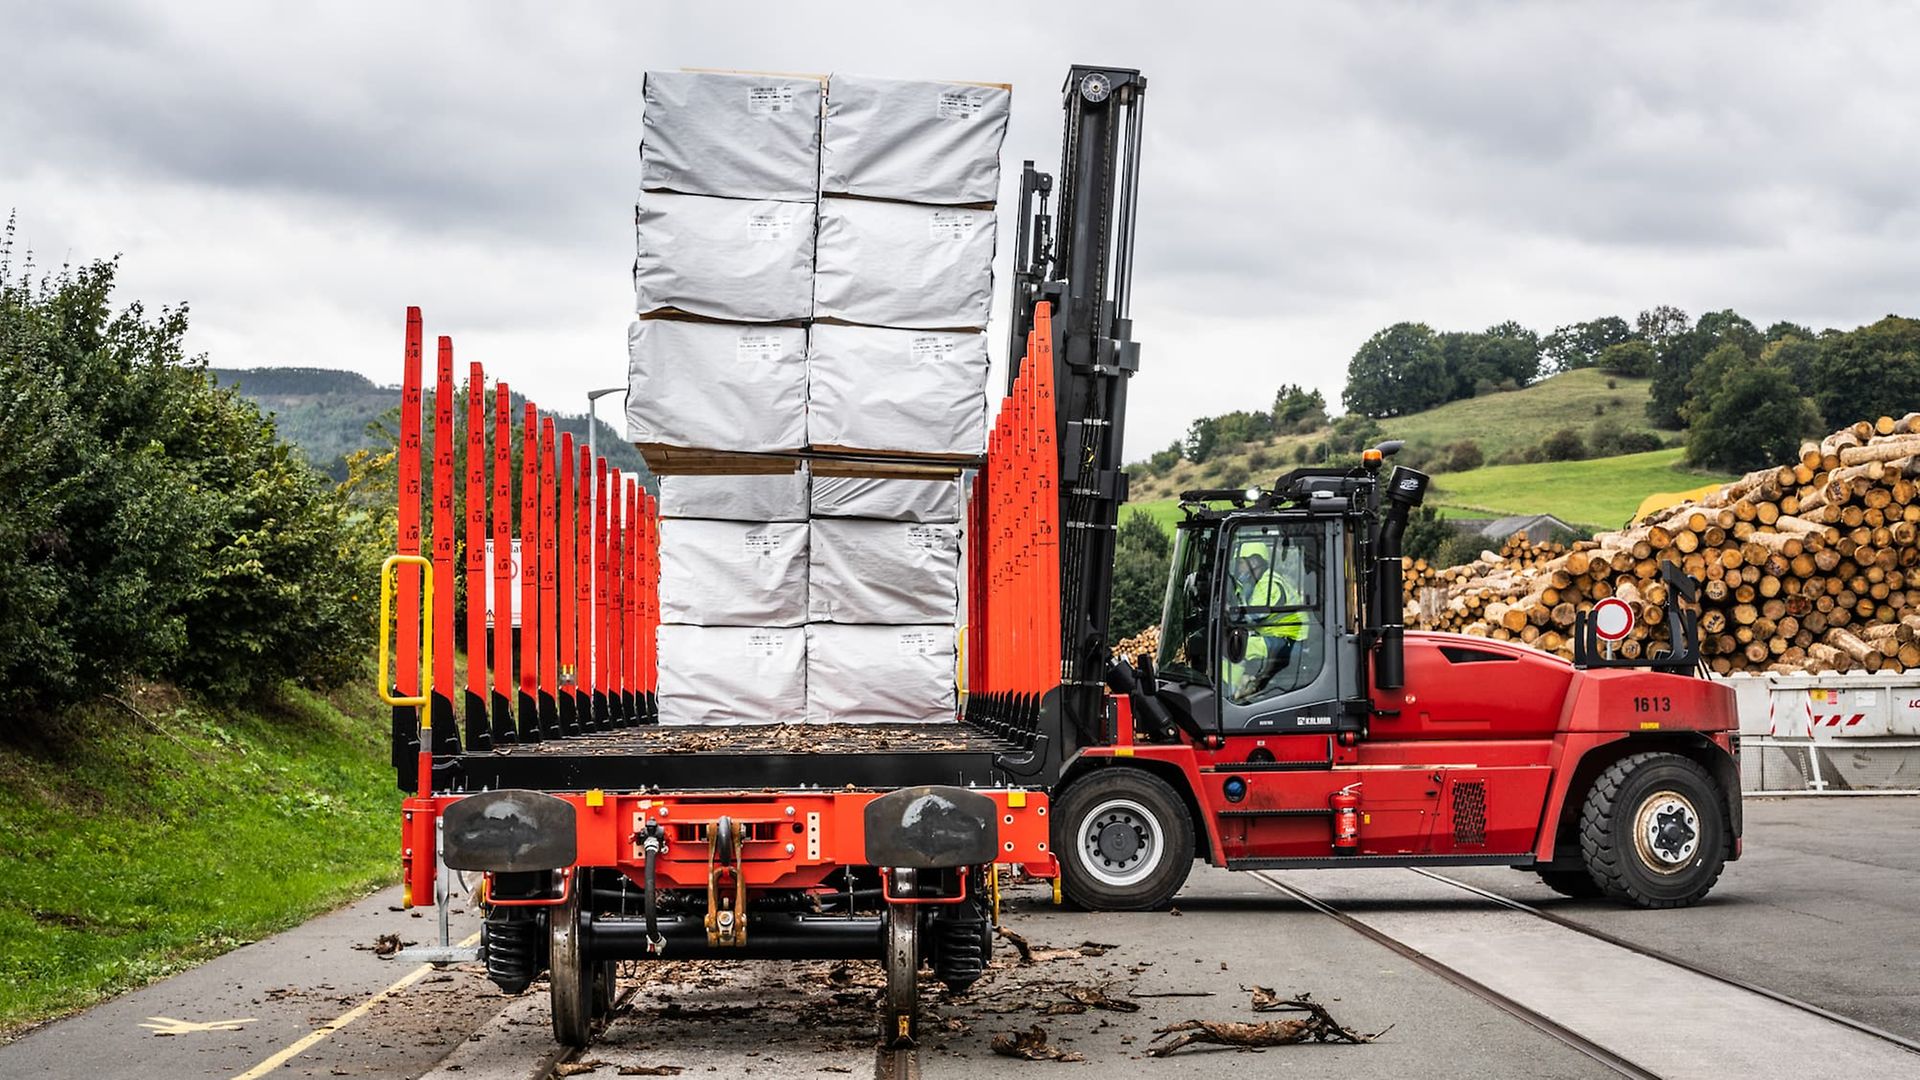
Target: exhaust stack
[(1406, 489)]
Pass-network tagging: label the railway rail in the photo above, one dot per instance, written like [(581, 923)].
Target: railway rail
[(1624, 1060)]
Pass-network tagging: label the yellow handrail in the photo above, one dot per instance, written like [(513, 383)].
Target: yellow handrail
[(387, 578)]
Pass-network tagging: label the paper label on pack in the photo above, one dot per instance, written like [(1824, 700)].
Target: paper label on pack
[(761, 348), (766, 100), (955, 225), (925, 537), (958, 105), (919, 643), (769, 226), (761, 544), (932, 347), (765, 643)]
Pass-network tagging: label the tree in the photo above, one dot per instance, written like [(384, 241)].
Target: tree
[(1798, 356), (1658, 326), (1426, 532), (1752, 417), (1140, 559), (1868, 372), (1162, 460), (1509, 353), (1674, 363), (1297, 409), (1399, 370), (156, 525), (1628, 358), (1579, 345)]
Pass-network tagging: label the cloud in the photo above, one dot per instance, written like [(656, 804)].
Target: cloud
[(1313, 172)]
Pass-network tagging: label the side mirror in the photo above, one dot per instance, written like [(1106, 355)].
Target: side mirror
[(1237, 645)]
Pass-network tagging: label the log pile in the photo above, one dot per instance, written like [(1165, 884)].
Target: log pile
[(1808, 567), (1146, 641)]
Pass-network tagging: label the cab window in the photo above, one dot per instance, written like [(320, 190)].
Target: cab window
[(1273, 610), (1185, 616)]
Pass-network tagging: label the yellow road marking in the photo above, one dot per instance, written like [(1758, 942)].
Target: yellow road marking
[(167, 1025), (343, 1019)]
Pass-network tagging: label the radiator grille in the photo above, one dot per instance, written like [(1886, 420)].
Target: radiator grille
[(1469, 813)]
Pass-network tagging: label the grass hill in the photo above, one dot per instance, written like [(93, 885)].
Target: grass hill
[(1504, 424), (1599, 493), (326, 413), (147, 832)]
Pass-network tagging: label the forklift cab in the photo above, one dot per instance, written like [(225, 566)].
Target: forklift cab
[(1257, 632)]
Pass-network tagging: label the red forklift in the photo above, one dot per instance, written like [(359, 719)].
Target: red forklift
[(1299, 725)]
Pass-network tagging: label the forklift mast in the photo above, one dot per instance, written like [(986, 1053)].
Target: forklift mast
[(1079, 260)]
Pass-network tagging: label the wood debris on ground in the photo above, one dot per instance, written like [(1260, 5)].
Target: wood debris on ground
[(1031, 1045), (1318, 1025), (1030, 954), (386, 945), (1812, 566)]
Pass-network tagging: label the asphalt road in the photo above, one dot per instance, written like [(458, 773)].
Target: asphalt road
[(1825, 907)]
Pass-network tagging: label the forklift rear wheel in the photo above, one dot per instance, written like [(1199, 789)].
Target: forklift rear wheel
[(1654, 831), (900, 1015), (1125, 840), (571, 979)]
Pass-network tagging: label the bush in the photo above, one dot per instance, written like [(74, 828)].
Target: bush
[(1301, 453), (157, 525), (1563, 445), (1460, 548), (1235, 475), (1614, 384), (1464, 455), (1257, 458)]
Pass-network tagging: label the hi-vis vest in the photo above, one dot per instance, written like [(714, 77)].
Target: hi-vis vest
[(1272, 592)]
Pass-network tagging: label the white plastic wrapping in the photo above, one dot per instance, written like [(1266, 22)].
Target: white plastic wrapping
[(742, 136), (760, 497), (745, 260), (895, 264), (934, 501), (733, 573), (870, 674), (716, 386), (924, 142), (883, 572), (732, 674), (912, 391)]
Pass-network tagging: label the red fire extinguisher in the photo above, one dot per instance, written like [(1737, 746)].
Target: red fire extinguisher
[(1346, 820)]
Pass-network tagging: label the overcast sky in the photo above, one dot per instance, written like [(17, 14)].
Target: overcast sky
[(301, 173)]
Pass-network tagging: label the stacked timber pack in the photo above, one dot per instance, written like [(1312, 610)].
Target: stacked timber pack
[(813, 280), (1808, 567)]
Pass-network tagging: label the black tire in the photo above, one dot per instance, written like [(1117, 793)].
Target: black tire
[(1654, 831), (1124, 840), (1577, 884)]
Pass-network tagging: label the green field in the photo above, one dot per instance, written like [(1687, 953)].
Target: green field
[(1600, 494), (1498, 422), (143, 835)]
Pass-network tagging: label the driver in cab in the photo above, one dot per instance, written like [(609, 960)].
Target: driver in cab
[(1272, 635)]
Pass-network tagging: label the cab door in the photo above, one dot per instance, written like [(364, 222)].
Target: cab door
[(1282, 666)]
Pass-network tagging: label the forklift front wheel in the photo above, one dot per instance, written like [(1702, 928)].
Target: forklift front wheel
[(1126, 840)]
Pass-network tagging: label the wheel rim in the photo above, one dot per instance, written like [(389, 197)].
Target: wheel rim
[(570, 981), (903, 975), (1121, 842), (1666, 832)]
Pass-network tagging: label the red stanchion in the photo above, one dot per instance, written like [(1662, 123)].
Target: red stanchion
[(446, 738), (502, 566), (531, 729), (479, 736)]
